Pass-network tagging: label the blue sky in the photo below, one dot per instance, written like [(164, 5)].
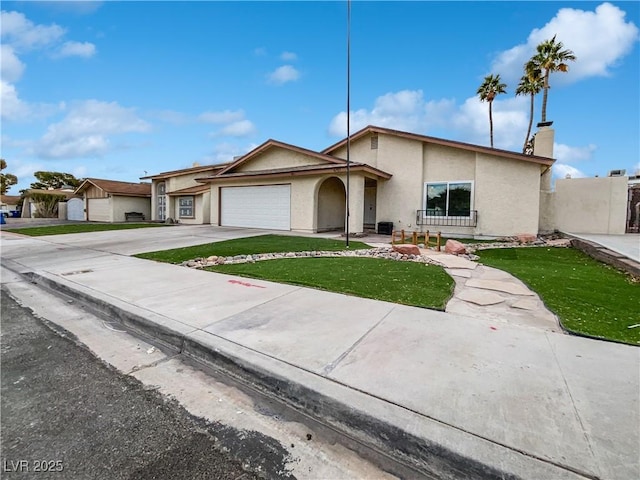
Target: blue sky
[(118, 90)]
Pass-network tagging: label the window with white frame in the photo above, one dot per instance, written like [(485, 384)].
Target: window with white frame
[(448, 199), (185, 205)]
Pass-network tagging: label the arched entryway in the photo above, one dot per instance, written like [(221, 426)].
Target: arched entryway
[(332, 198)]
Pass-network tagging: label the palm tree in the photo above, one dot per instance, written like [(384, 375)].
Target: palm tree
[(530, 84), (490, 88), (550, 57)]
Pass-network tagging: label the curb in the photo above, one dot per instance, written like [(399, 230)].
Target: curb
[(429, 447)]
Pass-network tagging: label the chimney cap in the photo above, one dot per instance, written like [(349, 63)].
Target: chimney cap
[(544, 124)]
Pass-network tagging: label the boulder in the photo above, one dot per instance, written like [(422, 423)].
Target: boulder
[(526, 237), (407, 249), (455, 247)]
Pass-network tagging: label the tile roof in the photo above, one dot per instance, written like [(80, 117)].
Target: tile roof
[(184, 171), (115, 187)]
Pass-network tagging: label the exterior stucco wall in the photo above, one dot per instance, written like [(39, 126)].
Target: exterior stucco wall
[(448, 164), (120, 205), (201, 209), (359, 151), (507, 196), (303, 215), (184, 181), (278, 158), (591, 205), (400, 197), (304, 194)]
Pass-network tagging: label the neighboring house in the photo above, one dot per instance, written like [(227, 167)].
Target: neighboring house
[(9, 203), (177, 196), (110, 200), (414, 181), (32, 208)]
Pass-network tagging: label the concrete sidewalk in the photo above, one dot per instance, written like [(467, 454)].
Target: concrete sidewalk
[(451, 395)]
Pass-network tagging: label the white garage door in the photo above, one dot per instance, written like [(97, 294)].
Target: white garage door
[(98, 209), (256, 207)]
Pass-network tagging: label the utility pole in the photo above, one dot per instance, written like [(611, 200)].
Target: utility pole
[(348, 117)]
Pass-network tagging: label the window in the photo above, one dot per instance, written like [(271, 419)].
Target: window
[(448, 199), (186, 207)]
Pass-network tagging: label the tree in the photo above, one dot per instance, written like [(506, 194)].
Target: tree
[(47, 180), (550, 57), (490, 88), (530, 84), (6, 179)]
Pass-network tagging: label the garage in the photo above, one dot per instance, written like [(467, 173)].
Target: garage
[(98, 210), (267, 206)]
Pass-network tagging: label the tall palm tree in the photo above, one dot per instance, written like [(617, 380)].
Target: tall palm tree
[(550, 57), (490, 88), (530, 84)]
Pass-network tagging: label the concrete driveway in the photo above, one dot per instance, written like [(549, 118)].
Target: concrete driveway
[(627, 244)]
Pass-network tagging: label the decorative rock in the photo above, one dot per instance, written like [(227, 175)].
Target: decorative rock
[(212, 258), (407, 249), (526, 237), (455, 247)]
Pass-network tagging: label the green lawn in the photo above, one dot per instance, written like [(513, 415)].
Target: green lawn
[(407, 283), (588, 296), (251, 245), (79, 228)]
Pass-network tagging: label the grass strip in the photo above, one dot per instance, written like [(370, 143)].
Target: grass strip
[(79, 228), (407, 283), (588, 296)]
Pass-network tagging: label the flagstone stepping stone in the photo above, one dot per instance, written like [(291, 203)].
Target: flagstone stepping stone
[(459, 272), (506, 287), (480, 297), (525, 304), (450, 261)]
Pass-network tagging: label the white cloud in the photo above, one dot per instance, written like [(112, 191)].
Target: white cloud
[(598, 38), (243, 128), (86, 129), (288, 57), (567, 154), (561, 170), (283, 74), (407, 110), (22, 33), (10, 65), (76, 49), (226, 152), (260, 51), (225, 116), (12, 107)]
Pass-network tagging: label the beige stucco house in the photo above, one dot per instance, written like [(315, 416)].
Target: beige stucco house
[(176, 195), (414, 181), (111, 200)]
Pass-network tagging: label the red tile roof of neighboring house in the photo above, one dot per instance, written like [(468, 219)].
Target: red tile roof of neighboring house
[(439, 141), (115, 187), (176, 173), (67, 193), (10, 199)]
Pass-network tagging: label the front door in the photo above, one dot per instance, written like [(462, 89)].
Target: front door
[(370, 206)]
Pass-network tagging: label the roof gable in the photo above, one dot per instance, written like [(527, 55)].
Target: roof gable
[(371, 129), (294, 157)]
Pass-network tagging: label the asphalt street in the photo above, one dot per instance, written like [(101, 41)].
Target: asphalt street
[(66, 414)]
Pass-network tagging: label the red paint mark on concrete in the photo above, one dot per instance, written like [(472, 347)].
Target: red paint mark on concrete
[(493, 328), (245, 284)]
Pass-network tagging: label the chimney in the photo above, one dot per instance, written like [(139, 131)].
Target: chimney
[(543, 143)]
